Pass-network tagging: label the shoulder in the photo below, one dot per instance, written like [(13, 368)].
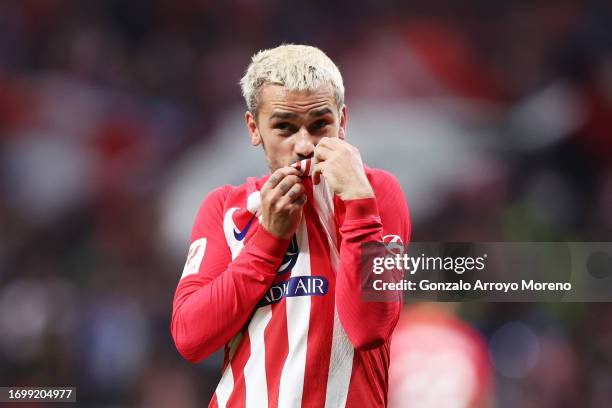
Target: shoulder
[(214, 203), (378, 173), (217, 196), (209, 216), (388, 191), (392, 203), (217, 200), (382, 181)]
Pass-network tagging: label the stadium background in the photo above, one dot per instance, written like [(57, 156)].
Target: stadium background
[(117, 117)]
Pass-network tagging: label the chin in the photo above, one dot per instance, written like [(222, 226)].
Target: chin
[(275, 166)]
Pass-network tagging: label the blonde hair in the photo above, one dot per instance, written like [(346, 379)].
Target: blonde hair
[(296, 67)]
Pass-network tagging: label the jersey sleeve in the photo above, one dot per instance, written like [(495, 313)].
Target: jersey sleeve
[(370, 324), (216, 296)]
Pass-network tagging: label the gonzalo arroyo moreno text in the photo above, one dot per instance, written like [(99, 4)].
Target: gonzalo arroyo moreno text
[(410, 265)]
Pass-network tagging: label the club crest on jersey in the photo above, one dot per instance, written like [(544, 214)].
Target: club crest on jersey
[(296, 286), (290, 258), (394, 244)]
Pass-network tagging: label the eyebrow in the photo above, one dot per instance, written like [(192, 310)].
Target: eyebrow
[(320, 112), (291, 115), (283, 115)]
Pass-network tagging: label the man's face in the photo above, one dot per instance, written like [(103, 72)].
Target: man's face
[(291, 123)]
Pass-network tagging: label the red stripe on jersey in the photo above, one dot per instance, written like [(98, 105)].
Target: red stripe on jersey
[(277, 348), (213, 402), (321, 315), (238, 397), (307, 169)]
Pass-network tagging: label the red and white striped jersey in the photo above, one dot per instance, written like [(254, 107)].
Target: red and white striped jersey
[(295, 329)]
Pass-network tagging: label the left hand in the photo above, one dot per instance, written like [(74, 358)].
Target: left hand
[(340, 163)]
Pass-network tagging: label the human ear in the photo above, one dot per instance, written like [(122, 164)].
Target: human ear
[(343, 118), (252, 128)]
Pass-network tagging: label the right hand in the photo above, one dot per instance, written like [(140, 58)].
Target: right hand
[(282, 200)]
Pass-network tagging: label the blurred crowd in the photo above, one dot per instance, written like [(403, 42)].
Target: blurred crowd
[(495, 116)]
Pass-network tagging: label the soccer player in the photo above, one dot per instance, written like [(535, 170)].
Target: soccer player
[(272, 273)]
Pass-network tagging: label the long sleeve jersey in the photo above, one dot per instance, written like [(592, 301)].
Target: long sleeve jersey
[(295, 331)]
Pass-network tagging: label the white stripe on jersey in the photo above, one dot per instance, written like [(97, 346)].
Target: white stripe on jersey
[(255, 367), (340, 366), (341, 357), (226, 385), (291, 384), (324, 206)]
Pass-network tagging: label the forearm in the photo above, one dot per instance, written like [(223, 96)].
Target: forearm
[(207, 314), (368, 324)]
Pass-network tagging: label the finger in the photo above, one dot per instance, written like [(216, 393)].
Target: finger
[(294, 193), (297, 204), (325, 141), (277, 176), (286, 184), (330, 143), (286, 203), (281, 174), (283, 202), (282, 188), (318, 168), (321, 153)]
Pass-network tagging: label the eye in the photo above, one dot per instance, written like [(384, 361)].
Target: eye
[(285, 127), (320, 124)]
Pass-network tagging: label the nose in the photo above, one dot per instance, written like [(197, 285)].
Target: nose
[(305, 144)]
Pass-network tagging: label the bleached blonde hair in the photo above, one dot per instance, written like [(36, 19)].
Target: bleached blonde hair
[(296, 67)]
